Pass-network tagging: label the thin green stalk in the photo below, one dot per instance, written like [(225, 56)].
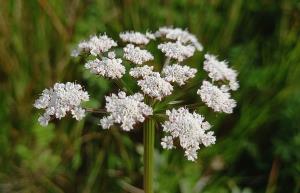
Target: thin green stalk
[(167, 62), (149, 136)]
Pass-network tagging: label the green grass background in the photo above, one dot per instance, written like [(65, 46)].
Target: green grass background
[(257, 147)]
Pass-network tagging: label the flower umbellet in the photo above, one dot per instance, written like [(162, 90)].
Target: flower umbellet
[(60, 100), (125, 110), (129, 109), (190, 128)]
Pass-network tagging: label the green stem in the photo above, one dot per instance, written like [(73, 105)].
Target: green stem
[(167, 62), (149, 136)]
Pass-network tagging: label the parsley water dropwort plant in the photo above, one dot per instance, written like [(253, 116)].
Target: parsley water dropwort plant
[(134, 110)]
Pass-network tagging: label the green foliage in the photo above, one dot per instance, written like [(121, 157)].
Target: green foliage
[(257, 147)]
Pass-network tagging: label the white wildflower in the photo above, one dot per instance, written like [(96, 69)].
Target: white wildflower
[(180, 35), (78, 113), (134, 38), (107, 67), (215, 98), (177, 73), (190, 129), (136, 54), (191, 153), (167, 142), (208, 139), (150, 35), (141, 72), (196, 43), (60, 100), (125, 110), (111, 54), (155, 86), (44, 119), (219, 70), (177, 50), (96, 45)]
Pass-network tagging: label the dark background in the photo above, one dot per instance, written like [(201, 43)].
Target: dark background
[(257, 147)]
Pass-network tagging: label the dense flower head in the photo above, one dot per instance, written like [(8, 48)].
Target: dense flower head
[(155, 86), (177, 50), (96, 45), (189, 128), (219, 70), (141, 71), (135, 37), (151, 82), (125, 110), (180, 35), (217, 99), (106, 67), (177, 73), (60, 100), (136, 54)]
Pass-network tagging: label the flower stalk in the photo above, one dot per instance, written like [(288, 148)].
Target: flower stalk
[(149, 139)]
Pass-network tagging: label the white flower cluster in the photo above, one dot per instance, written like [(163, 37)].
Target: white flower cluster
[(60, 100), (167, 142), (95, 45), (155, 86), (177, 73), (190, 129), (177, 45), (136, 54), (151, 83), (125, 110), (107, 67), (158, 87), (150, 36), (177, 50), (136, 37), (141, 71), (180, 35), (217, 99), (219, 70)]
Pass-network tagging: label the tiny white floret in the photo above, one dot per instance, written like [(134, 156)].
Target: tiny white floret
[(167, 142)]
